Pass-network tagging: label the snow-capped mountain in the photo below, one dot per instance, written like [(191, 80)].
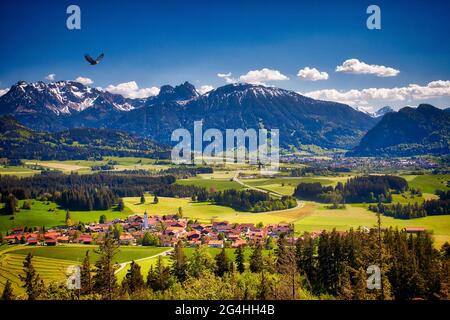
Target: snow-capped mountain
[(301, 120), (59, 98), (381, 112)]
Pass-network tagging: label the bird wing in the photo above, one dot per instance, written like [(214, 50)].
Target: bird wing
[(89, 59), (100, 57)]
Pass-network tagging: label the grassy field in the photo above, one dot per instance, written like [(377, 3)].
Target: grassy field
[(146, 264), (353, 216), (429, 183), (48, 214), (284, 186), (52, 262), (76, 253), (50, 270), (208, 184)]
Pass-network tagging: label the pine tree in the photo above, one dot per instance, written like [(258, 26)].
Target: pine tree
[(8, 293), (142, 199), (86, 275), (180, 213), (68, 219), (31, 281), (134, 279), (105, 282), (179, 263), (102, 218), (240, 259), (155, 199), (158, 279), (359, 292), (222, 263), (120, 205), (10, 204), (281, 252), (256, 259)]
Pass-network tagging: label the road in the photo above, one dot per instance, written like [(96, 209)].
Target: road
[(124, 264)]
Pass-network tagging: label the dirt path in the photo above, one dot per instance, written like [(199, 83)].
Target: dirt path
[(124, 264), (276, 194)]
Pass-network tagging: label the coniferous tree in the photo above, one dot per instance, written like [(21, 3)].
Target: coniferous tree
[(142, 199), (134, 280), (120, 205), (222, 263), (281, 252), (10, 204), (240, 259), (32, 283), (86, 275), (105, 282), (158, 279), (155, 199), (256, 259), (8, 293), (179, 263)]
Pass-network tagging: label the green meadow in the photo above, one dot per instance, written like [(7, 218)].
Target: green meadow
[(209, 184)]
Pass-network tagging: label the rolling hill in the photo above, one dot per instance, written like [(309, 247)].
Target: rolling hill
[(20, 142), (410, 131)]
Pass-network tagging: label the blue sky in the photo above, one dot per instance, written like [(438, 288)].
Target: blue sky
[(151, 43)]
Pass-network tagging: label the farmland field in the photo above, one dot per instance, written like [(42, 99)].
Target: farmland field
[(284, 186), (430, 183), (52, 262), (48, 214), (76, 253), (353, 216), (208, 184)]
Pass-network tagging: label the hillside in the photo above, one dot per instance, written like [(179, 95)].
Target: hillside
[(20, 142), (410, 131)]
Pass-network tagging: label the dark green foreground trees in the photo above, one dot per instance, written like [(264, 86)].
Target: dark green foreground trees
[(330, 265)]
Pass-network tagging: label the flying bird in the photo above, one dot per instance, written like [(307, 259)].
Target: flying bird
[(92, 61)]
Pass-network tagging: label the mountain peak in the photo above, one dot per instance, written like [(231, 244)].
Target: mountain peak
[(382, 111), (183, 92)]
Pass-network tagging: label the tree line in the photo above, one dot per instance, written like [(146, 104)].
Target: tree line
[(355, 190), (432, 207)]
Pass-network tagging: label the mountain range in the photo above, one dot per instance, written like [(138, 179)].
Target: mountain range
[(68, 110), (410, 131), (301, 120)]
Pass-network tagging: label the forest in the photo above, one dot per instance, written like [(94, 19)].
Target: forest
[(433, 207), (363, 189)]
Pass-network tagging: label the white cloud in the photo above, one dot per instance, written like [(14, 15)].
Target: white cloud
[(132, 90), (228, 77), (50, 77), (204, 89), (85, 81), (359, 67), (262, 76), (311, 74), (259, 77), (3, 91), (434, 89)]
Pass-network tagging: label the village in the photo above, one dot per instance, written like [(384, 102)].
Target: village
[(155, 230)]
